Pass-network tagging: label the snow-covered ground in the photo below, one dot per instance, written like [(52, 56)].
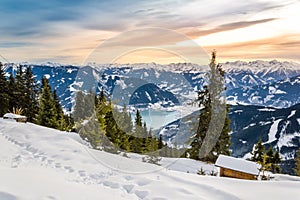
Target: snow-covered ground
[(45, 164)]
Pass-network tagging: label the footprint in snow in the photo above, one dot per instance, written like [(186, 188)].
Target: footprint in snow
[(159, 198), (128, 178), (57, 165), (111, 184), (50, 161), (141, 193), (69, 169), (49, 198), (82, 173), (128, 188), (143, 182)]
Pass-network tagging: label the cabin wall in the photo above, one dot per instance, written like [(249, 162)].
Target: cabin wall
[(21, 120), (17, 119), (236, 174)]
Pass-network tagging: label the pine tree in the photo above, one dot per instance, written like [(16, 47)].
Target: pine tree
[(112, 131), (276, 162), (79, 110), (297, 161), (270, 155), (20, 88), (30, 95), (4, 97), (264, 165), (102, 97), (205, 145), (137, 141), (160, 142), (12, 93), (47, 111), (60, 116), (258, 152), (125, 120)]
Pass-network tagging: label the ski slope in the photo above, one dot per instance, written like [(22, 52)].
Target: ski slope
[(45, 164)]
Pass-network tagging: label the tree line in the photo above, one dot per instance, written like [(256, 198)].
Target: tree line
[(105, 126), (268, 159), (21, 94)]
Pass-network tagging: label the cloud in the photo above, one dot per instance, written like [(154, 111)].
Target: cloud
[(282, 47), (28, 17), (227, 27), (16, 44), (56, 24)]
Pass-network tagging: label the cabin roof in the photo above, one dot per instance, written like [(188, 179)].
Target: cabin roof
[(13, 116), (238, 164)]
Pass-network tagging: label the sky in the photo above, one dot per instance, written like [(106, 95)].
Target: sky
[(163, 31)]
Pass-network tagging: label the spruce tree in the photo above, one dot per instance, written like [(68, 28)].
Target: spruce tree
[(20, 88), (30, 95), (264, 165), (79, 110), (205, 144), (47, 114), (276, 162), (258, 152), (4, 97), (60, 116), (160, 142), (12, 93), (112, 131), (270, 155), (137, 141), (297, 162)]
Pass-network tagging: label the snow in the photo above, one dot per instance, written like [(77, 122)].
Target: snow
[(266, 110), (47, 76), (287, 139), (293, 112), (148, 96), (13, 116), (238, 164), (273, 131), (43, 163)]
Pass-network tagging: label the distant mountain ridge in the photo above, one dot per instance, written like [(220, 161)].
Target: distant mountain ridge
[(265, 83)]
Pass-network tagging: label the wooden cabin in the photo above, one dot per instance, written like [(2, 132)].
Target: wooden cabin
[(18, 118), (237, 168)]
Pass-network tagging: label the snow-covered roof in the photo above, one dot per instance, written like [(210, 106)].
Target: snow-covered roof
[(13, 116), (238, 164)]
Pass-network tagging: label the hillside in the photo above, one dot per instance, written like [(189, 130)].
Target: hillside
[(42, 163), (249, 123)]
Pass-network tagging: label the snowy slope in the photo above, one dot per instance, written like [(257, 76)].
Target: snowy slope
[(42, 163)]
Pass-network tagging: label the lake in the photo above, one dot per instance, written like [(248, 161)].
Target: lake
[(158, 118)]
